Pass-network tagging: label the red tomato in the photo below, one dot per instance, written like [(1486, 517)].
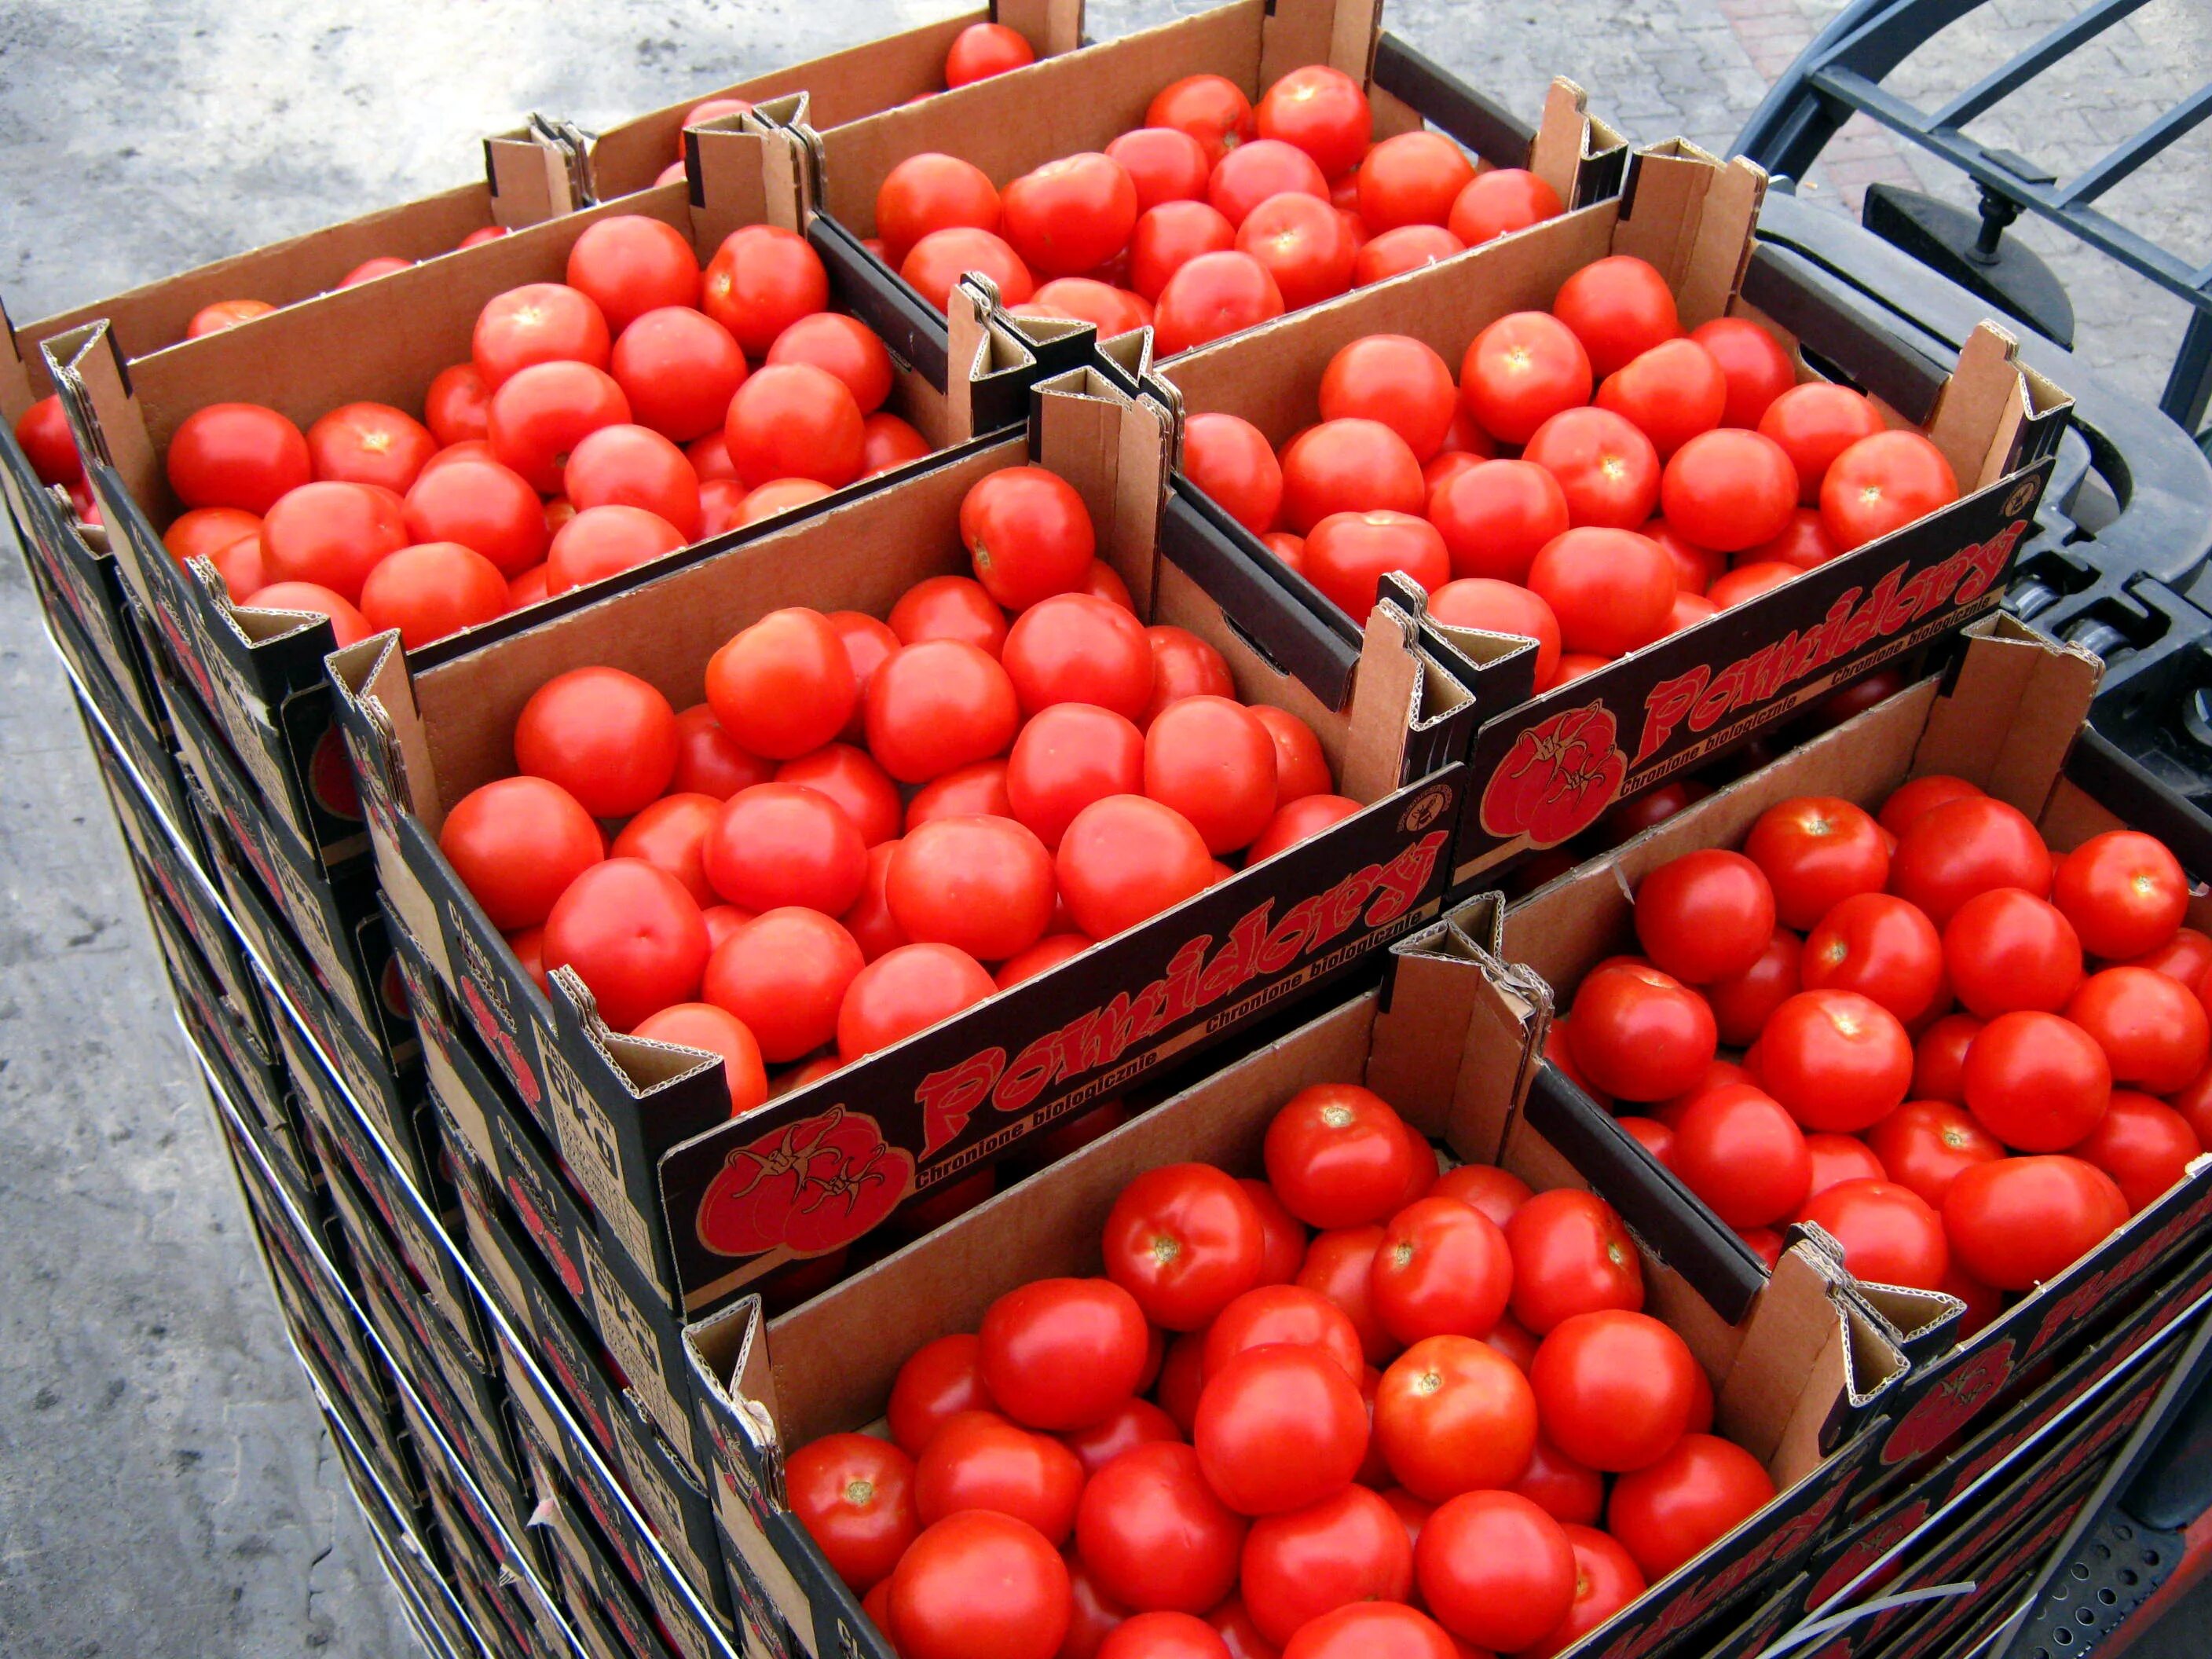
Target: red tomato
[(482, 505), (1614, 1389), (1496, 1569), (1397, 382), (1076, 649), (1163, 1635), (1071, 215), (1279, 1427), (1815, 423), (608, 737), (1183, 665), (1803, 543), (1817, 852), (1757, 368), (949, 608), (1729, 489), (1301, 767), (1212, 760), (1496, 1193), (856, 783), (978, 1460), (1838, 1159), (870, 922), (854, 1495), (1124, 859), (1232, 461), (1639, 1034), (1570, 1254), (980, 1586), (981, 884), (457, 408), (1301, 820), (1607, 469), (1165, 166), (1737, 1149), (1883, 948), (2153, 1032), (604, 542), (763, 279), (785, 974), (778, 844), (1911, 799), (887, 442), (633, 935), (628, 264), (370, 444), (2144, 1145), (906, 990), (1611, 590), (516, 844), (1338, 1266), (1029, 534), (1838, 1060), (785, 686), (1500, 202), (332, 534), (840, 346), (1412, 179), (1618, 308), (936, 706), (792, 420), (538, 323), (2123, 892), (213, 319), (1924, 1144), (928, 192), (634, 466), (1395, 252), (1135, 1423), (1169, 236), (1374, 1630), (1453, 1413), (1185, 1240), (1210, 294), (348, 625), (1352, 465), (1607, 1580), (1962, 847), (1443, 1269), (1671, 393), (1153, 1534), (1889, 1234), (1210, 108), (1302, 243), (2018, 1221), (1881, 484), (938, 1379), (1502, 607), (431, 590), (2037, 1082), (542, 412), (1254, 173), (1706, 916), (982, 50), (1349, 1548), (1522, 370), (1068, 757), (1061, 1353), (1696, 1495), (1338, 1156), (1496, 516), (2005, 949), (1322, 112)]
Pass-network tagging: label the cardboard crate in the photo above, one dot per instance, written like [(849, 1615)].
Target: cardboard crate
[(1642, 718), (2007, 716), (609, 1610), (644, 1129), (257, 675), (840, 87), (1796, 1378), (1014, 122)]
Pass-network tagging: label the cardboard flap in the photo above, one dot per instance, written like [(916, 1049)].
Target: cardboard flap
[(533, 174), (15, 391), (2009, 717), (1993, 415), (1386, 703), (86, 366), (739, 172), (1339, 32), (1796, 1330), (790, 162), (1051, 26), (371, 677), (1693, 218), (1566, 138)]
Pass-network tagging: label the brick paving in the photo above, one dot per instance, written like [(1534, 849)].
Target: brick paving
[(163, 1488)]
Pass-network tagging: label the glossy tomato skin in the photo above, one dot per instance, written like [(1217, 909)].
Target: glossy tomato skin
[(1838, 1060), (1185, 1240), (1397, 380), (1338, 1266), (1212, 760), (2124, 892), (1338, 1156), (779, 844), (939, 705), (1924, 1144), (1066, 756), (1881, 947), (1060, 1353), (1279, 1427), (1269, 1314), (1640, 1034), (983, 885), (1351, 465), (1443, 1269), (1496, 516), (1818, 851), (978, 1585), (760, 280), (905, 990), (1614, 1389), (854, 1496), (2143, 1143), (1500, 202), (539, 413), (1501, 607), (1889, 1234), (1882, 484), (2006, 949), (1727, 489), (1737, 1149), (1706, 916), (516, 843), (1368, 1630), (2037, 1082), (979, 1461), (785, 974), (1453, 1413), (606, 737), (1813, 424), (2018, 1221), (932, 191), (2153, 1033), (1606, 466), (1348, 554), (1165, 164), (938, 1380), (1522, 370), (1395, 252), (1124, 859), (1349, 1548), (1570, 1253), (1232, 461), (1029, 534), (949, 608), (483, 506), (633, 935), (1701, 1491), (1742, 1002), (1495, 1569), (1758, 370), (1618, 308), (1671, 392), (1612, 590), (1607, 1579), (1211, 295)]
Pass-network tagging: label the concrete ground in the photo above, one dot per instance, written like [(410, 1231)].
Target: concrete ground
[(164, 1487)]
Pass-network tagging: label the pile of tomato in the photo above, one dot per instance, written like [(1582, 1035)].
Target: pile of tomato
[(1212, 217), (1966, 1058), (871, 824), (1700, 474), (600, 422), (1358, 1407)]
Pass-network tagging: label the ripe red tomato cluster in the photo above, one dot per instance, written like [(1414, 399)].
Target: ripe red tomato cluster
[(1965, 1057), (600, 422), (1596, 479), (1356, 1408), (1213, 216), (866, 817)]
